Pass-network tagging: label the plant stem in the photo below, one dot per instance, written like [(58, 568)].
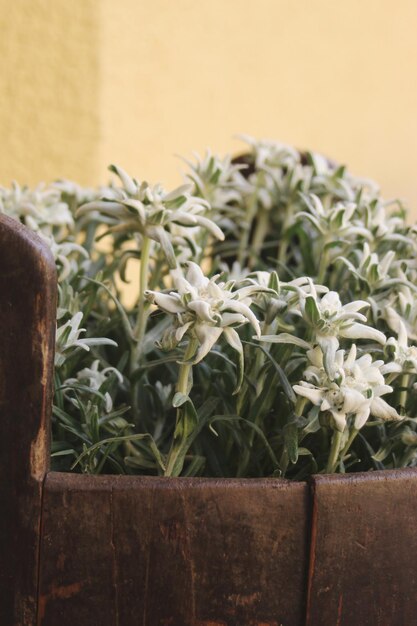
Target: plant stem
[(405, 380), (349, 442), (250, 215), (180, 432), (334, 452), (283, 462), (322, 267), (185, 368), (255, 367), (140, 327), (298, 411), (259, 236)]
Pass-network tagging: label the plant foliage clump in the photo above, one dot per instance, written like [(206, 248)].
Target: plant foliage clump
[(273, 330)]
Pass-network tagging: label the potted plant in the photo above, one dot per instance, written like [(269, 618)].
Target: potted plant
[(237, 446)]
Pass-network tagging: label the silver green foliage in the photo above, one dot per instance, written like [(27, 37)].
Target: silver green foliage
[(274, 327)]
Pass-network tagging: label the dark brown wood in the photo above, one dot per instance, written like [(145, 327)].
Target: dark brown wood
[(134, 551), (363, 561), (129, 551), (27, 326)]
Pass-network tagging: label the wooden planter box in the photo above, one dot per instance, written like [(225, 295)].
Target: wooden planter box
[(83, 550)]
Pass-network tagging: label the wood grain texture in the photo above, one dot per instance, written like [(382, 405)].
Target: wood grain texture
[(130, 551), (363, 567), (27, 331)]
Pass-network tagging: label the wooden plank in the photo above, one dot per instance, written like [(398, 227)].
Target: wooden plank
[(27, 333), (77, 562), (363, 551), (173, 552)]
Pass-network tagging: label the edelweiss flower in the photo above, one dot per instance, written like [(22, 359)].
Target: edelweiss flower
[(93, 378), (41, 209), (373, 270), (79, 195), (205, 309), (270, 155), (401, 308), (151, 211), (332, 221), (385, 226), (278, 175), (404, 356), (63, 254), (356, 390), (276, 297), (331, 320), (219, 181), (68, 337)]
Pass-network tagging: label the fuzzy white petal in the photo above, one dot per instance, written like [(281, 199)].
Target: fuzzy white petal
[(195, 276), (166, 302), (243, 309), (202, 309), (207, 337), (381, 409), (314, 395), (360, 331)]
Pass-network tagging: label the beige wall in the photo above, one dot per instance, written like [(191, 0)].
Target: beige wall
[(136, 81), (50, 92)]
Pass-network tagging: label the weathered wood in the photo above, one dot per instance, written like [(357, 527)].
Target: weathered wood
[(129, 551), (363, 568), (77, 557), (133, 551), (27, 327)]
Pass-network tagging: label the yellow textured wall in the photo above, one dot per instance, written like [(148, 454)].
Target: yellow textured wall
[(50, 92), (93, 81)]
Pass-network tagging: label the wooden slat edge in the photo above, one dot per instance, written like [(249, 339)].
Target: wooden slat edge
[(27, 323)]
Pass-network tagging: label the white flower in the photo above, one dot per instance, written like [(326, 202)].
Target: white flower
[(356, 390), (64, 254), (270, 155), (205, 309), (404, 356), (384, 226), (331, 320), (401, 308), (333, 221), (275, 177), (68, 337), (151, 211), (75, 191), (375, 271), (217, 180), (94, 378), (41, 209)]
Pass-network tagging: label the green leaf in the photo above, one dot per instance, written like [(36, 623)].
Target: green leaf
[(179, 399), (288, 390), (311, 310), (286, 338), (291, 441), (125, 319), (128, 438), (383, 452)]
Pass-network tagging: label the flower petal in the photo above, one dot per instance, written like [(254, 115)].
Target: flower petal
[(360, 331), (195, 276), (311, 393), (239, 307), (164, 301), (207, 337), (339, 420), (362, 416), (381, 409), (329, 346), (202, 309)]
